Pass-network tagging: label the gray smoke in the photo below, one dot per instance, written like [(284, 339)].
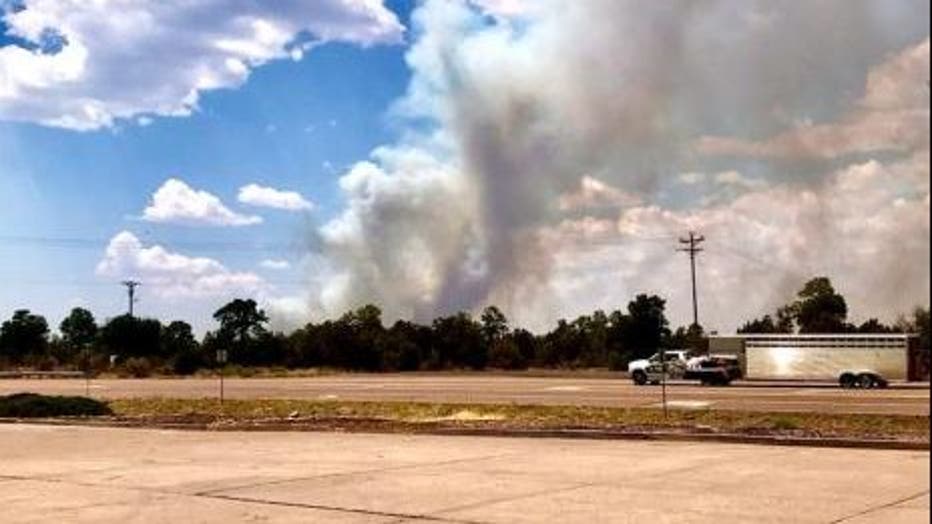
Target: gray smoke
[(761, 101)]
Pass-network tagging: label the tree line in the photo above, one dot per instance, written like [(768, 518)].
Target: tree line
[(360, 341)]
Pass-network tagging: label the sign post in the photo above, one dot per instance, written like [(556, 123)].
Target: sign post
[(663, 380), (87, 371), (222, 360)]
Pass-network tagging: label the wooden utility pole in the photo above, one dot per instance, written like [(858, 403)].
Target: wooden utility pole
[(693, 248), (131, 292)]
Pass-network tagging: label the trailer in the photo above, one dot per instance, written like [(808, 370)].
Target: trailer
[(851, 360)]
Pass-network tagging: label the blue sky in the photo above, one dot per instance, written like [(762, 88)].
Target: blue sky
[(440, 155), (293, 124)]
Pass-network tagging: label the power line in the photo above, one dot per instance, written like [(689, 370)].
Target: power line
[(693, 242)]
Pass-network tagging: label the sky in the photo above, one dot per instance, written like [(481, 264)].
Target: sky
[(442, 155)]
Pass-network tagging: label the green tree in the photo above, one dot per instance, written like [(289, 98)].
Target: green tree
[(766, 324), (241, 320), (819, 309), (129, 336), (494, 325), (458, 342), (181, 348), (359, 339), (692, 338), (872, 325), (24, 335), (243, 333), (918, 323), (78, 329), (646, 327)]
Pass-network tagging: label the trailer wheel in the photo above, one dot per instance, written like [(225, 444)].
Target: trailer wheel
[(865, 381), (640, 378), (846, 380)]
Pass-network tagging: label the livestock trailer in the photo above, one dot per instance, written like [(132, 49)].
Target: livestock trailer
[(854, 360)]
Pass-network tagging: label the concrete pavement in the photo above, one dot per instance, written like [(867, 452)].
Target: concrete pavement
[(75, 474), (486, 388)]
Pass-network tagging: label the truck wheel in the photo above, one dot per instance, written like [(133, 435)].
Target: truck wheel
[(846, 380), (640, 378), (865, 381)]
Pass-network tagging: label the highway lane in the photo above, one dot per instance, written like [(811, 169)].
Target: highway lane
[(487, 388)]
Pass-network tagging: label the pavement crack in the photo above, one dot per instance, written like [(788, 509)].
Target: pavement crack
[(499, 500), (358, 511), (351, 473), (880, 507)]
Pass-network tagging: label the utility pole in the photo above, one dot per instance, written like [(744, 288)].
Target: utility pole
[(693, 248), (131, 292)]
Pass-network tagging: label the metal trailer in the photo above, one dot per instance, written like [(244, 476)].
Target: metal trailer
[(853, 360)]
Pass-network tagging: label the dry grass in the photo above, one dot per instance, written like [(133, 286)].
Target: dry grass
[(504, 416)]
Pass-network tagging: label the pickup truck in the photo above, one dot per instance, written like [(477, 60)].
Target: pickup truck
[(715, 370), (647, 370)]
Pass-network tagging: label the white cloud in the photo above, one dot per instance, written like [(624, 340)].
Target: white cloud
[(173, 275), (177, 202), (122, 59), (256, 195), (277, 265), (503, 7)]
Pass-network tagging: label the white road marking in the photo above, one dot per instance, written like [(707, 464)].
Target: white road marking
[(684, 404), (565, 388)]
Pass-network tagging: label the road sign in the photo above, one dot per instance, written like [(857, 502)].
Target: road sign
[(222, 356)]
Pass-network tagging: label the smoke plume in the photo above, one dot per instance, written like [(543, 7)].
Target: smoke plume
[(555, 150)]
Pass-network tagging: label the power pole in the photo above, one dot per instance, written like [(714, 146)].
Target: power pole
[(693, 248), (131, 292)]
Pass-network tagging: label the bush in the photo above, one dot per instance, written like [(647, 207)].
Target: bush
[(138, 367), (32, 405)]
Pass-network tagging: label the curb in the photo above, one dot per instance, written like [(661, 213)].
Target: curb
[(730, 438), (588, 434)]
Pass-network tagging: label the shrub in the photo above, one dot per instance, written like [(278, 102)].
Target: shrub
[(785, 422), (138, 367), (32, 405)]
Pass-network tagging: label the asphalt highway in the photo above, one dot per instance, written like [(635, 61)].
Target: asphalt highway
[(487, 388)]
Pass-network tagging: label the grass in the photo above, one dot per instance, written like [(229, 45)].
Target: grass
[(504, 416), (32, 405)]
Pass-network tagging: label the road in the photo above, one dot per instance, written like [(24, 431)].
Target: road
[(101, 475), (502, 389)]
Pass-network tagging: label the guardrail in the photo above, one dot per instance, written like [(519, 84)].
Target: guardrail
[(41, 374)]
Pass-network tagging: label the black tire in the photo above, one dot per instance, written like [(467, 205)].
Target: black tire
[(639, 377), (846, 380), (865, 381)]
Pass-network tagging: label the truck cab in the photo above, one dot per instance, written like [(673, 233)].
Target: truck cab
[(650, 370)]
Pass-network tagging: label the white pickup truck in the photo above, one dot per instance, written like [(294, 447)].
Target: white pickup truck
[(715, 370), (647, 370)]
